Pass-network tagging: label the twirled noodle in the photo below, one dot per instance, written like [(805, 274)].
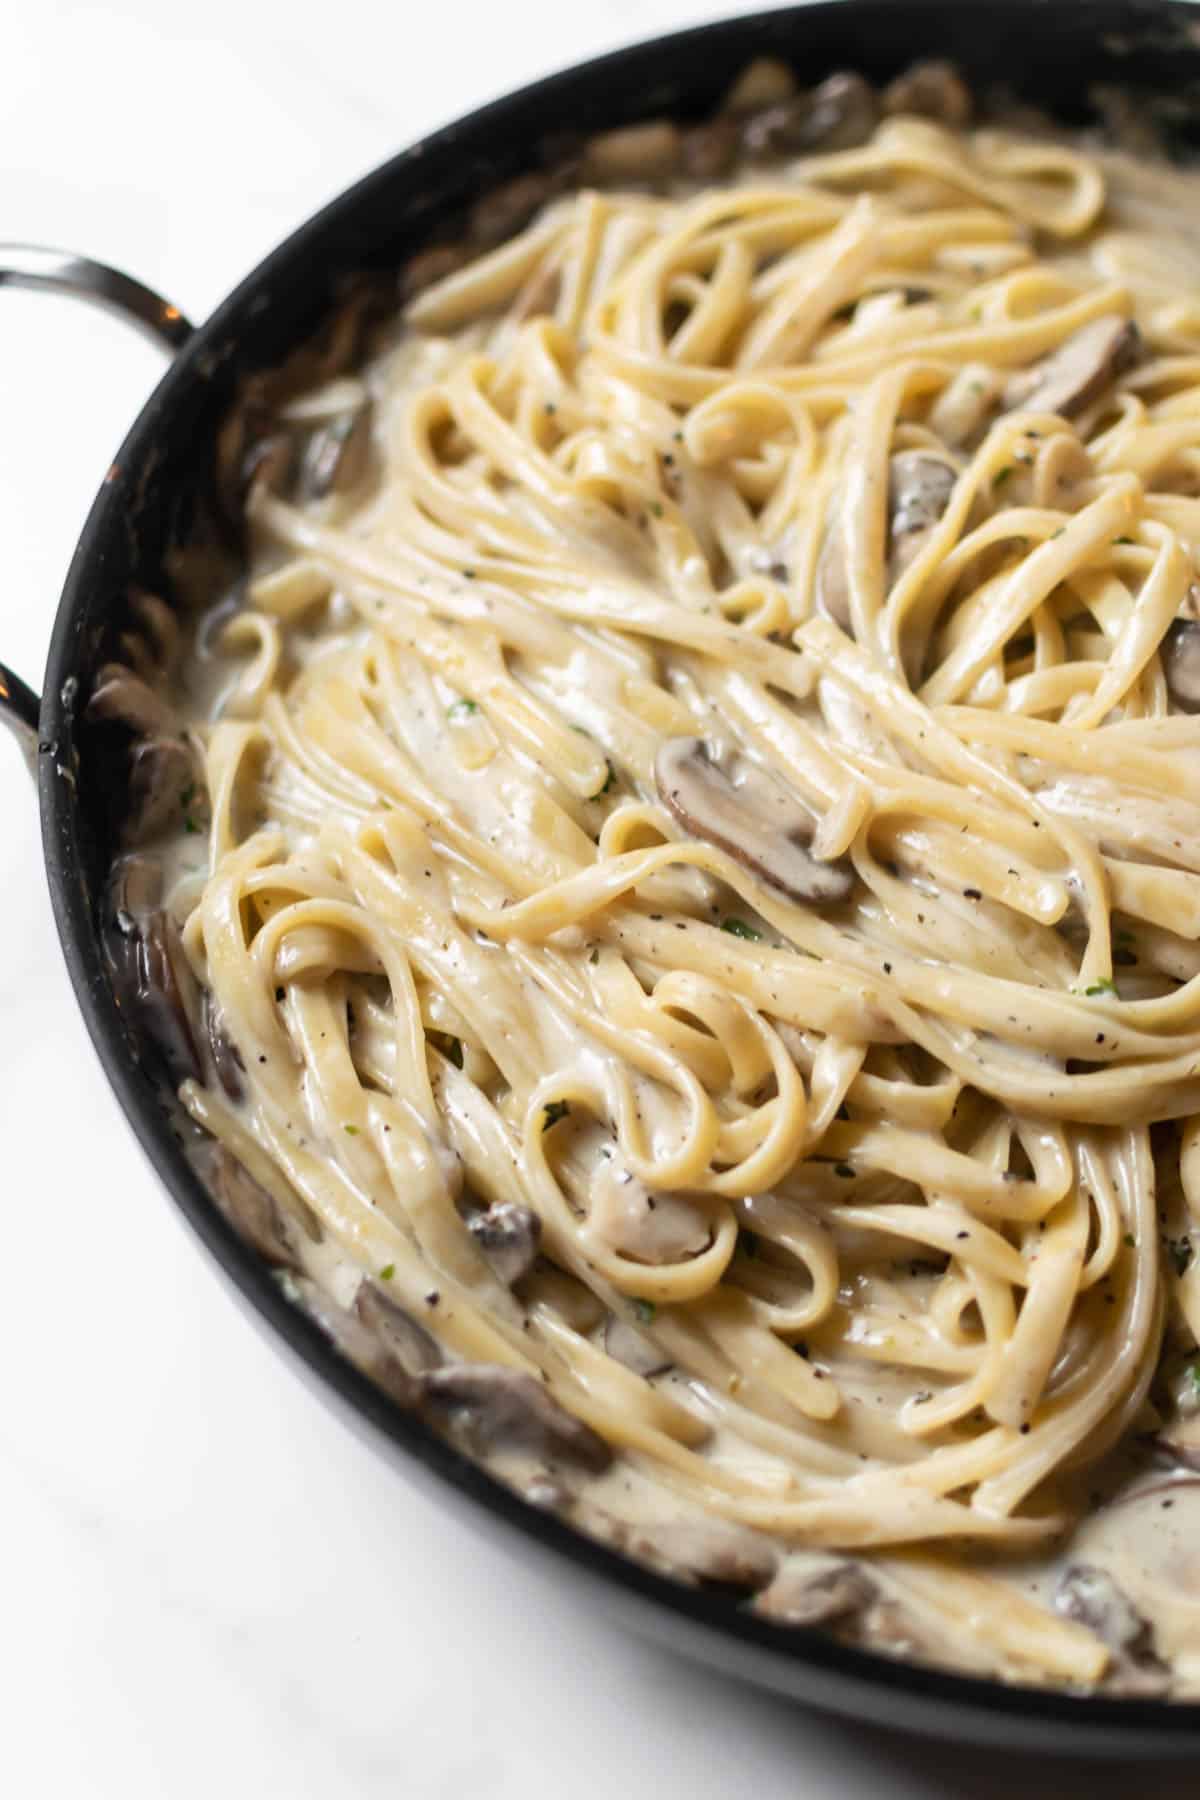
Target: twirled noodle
[(872, 1176)]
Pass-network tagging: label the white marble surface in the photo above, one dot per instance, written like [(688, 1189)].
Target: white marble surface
[(206, 1584)]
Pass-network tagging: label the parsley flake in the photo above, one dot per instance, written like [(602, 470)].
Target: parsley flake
[(644, 1310), (1101, 987), (557, 1109), (387, 1271), (738, 928), (350, 1130), (462, 709)]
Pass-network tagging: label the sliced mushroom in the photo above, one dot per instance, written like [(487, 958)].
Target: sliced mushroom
[(647, 1228), (121, 695), (695, 1551), (409, 1342), (226, 1057), (1090, 1595), (919, 490), (931, 90), (347, 1331), (764, 82), (252, 1212), (428, 266), (497, 1409), (726, 800), (802, 1597), (839, 115), (508, 208), (1181, 664), (1077, 373), (508, 1236), (634, 152), (633, 1348), (161, 773), (710, 150), (336, 456), (150, 974)]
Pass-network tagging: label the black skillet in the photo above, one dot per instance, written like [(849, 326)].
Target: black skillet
[(1049, 51)]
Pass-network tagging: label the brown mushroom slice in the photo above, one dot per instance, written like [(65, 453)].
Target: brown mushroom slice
[(508, 1236), (839, 115), (726, 800), (645, 1227), (150, 973), (1068, 380), (429, 266), (1090, 1596), (634, 152), (226, 1057), (253, 1213), (931, 90), (699, 1552), (121, 695), (504, 212), (804, 1597), (409, 1342), (710, 150), (1181, 664), (336, 456), (161, 773), (919, 490), (633, 1349), (499, 1409), (764, 82), (359, 1345)]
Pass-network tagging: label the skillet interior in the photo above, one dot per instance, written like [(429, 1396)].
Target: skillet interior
[(153, 500)]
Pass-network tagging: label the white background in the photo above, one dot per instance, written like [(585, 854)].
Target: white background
[(206, 1585)]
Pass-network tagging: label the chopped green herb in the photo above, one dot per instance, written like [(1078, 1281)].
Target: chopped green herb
[(454, 1051), (1001, 476), (1057, 533), (185, 799), (190, 826), (738, 928), (844, 1171), (387, 1271), (1194, 1372), (645, 1310), (656, 509), (350, 1130), (1123, 935), (594, 954), (1124, 540), (1101, 987), (557, 1109), (1129, 1241), (462, 709), (469, 574), (550, 407)]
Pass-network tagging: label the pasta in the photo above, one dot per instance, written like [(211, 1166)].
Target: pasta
[(694, 861)]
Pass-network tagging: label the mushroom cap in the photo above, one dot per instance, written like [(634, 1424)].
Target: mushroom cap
[(730, 802)]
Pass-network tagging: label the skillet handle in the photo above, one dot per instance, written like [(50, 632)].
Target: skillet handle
[(62, 272)]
